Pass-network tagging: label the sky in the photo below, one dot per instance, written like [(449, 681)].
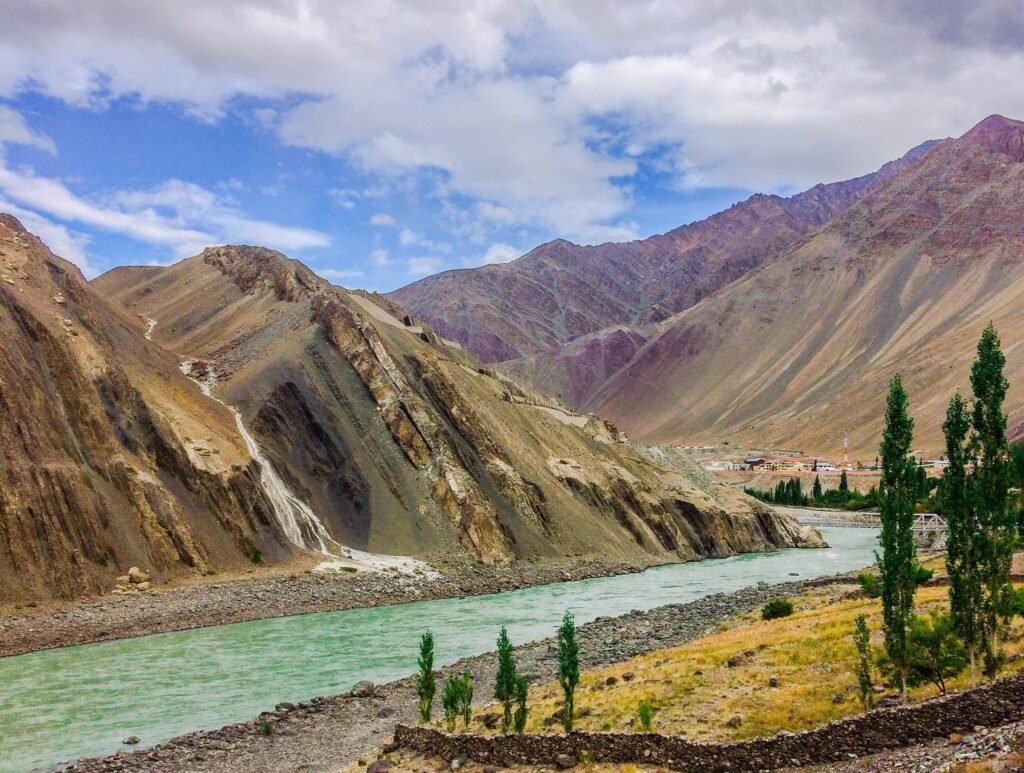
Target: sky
[(380, 141)]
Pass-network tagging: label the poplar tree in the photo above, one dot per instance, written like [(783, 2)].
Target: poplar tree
[(844, 484), (426, 684), (989, 495), (505, 681), (568, 667), (897, 563), (961, 550), (817, 489), (522, 690), (862, 641)]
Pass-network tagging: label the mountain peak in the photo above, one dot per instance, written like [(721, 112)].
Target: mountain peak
[(999, 135)]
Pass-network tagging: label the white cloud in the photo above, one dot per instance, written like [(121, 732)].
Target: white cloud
[(380, 257), (499, 253), (423, 266), (383, 220), (408, 238), (177, 214), (14, 129), (61, 241), (339, 274), (489, 211), (544, 110)]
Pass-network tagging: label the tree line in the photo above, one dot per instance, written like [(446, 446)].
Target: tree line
[(984, 526), (510, 687)]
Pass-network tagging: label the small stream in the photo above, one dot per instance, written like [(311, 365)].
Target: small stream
[(58, 705)]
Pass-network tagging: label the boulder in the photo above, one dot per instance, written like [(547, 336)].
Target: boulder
[(137, 576), (365, 689)]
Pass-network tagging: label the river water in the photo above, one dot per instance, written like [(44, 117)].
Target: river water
[(58, 705)]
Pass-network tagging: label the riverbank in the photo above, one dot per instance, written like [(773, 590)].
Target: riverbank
[(278, 594), (326, 733)]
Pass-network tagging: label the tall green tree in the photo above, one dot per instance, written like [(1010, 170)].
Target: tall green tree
[(522, 690), (923, 490), (816, 491), (844, 484), (995, 524), (897, 563), (426, 684), (961, 544), (862, 641), (505, 681), (568, 668)]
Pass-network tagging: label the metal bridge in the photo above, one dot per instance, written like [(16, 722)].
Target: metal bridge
[(929, 523)]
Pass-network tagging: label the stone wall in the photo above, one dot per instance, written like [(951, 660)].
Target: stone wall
[(992, 705)]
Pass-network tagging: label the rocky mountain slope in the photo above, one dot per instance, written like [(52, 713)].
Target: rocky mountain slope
[(380, 436), (109, 456), (802, 348), (402, 443), (561, 291)]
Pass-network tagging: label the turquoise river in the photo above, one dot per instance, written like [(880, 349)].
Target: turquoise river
[(58, 705)]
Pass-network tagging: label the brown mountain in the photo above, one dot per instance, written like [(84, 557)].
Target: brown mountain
[(802, 348), (561, 291), (401, 443), (109, 456)]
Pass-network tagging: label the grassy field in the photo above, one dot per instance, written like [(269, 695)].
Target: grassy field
[(696, 693)]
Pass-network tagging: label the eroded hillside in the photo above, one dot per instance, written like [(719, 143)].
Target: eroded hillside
[(109, 457), (402, 443)]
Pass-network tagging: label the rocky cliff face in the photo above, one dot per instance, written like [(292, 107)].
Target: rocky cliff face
[(561, 291), (404, 444), (802, 348), (107, 457)]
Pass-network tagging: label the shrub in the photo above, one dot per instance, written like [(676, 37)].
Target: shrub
[(266, 727), (645, 714), (1017, 603), (777, 608), (870, 584), (922, 574), (450, 701), (934, 653)]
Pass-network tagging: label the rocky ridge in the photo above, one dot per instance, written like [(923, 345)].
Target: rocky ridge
[(803, 347), (406, 443), (561, 291)]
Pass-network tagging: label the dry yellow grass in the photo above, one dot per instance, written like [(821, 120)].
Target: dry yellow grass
[(695, 693)]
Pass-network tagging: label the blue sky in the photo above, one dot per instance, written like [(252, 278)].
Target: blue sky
[(382, 141)]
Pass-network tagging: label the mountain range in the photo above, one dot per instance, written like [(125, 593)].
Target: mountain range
[(796, 323), (236, 410)]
